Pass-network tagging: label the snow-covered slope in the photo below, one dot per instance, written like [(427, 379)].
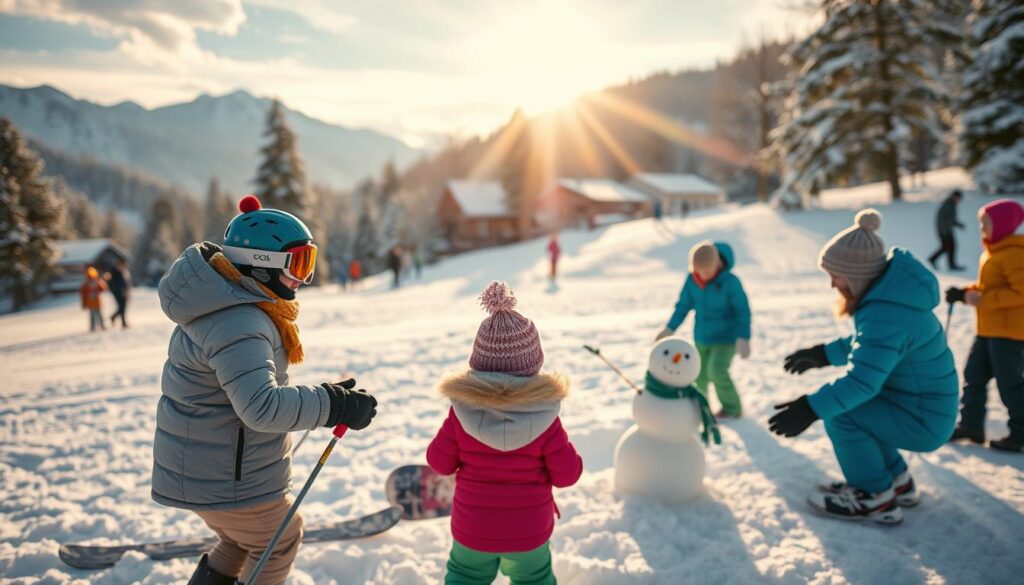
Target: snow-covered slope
[(76, 422), (186, 144)]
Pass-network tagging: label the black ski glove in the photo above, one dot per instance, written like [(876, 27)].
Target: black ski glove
[(802, 360), (955, 295), (352, 408), (793, 417)]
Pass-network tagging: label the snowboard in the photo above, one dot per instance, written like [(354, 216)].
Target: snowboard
[(101, 557), (420, 492)]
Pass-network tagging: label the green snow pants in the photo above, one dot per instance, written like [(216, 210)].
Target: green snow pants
[(472, 567), (714, 369)]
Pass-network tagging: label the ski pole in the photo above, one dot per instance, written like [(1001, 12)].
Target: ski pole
[(949, 317), (295, 449), (339, 432), (597, 352)]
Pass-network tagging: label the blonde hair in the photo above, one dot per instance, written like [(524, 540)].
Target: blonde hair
[(704, 255)]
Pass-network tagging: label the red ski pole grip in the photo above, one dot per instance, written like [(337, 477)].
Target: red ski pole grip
[(339, 431)]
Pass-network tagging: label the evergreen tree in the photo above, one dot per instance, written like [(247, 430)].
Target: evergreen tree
[(31, 218), (157, 246), (191, 226), (367, 245), (82, 219), (862, 84), (388, 206), (220, 210), (992, 125), (281, 179), (116, 231)]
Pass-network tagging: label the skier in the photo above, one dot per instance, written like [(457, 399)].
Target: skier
[(120, 284), (722, 317), (998, 350), (945, 222), (554, 252), (222, 447), (91, 292), (505, 442), (395, 265), (900, 386), (355, 272)]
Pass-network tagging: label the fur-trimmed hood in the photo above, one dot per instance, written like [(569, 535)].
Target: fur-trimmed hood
[(502, 411)]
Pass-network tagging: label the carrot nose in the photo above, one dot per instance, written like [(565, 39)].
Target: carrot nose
[(676, 358)]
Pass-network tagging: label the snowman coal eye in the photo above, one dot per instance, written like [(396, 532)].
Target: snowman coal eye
[(666, 352), (687, 356)]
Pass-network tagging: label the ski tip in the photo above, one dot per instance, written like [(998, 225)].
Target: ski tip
[(76, 556)]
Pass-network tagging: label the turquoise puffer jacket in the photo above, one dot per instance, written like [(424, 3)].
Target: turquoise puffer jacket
[(722, 311), (226, 407), (898, 350)]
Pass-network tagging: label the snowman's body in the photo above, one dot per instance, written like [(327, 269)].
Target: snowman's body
[(661, 456)]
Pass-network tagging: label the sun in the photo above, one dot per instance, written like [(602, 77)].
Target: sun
[(542, 55)]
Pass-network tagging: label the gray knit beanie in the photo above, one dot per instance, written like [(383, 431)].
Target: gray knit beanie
[(856, 253)]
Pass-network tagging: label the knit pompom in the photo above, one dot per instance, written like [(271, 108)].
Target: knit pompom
[(868, 219), (497, 297), (249, 203)]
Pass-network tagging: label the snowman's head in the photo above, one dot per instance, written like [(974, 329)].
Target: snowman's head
[(674, 362)]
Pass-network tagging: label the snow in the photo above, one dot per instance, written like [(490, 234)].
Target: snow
[(678, 184), (604, 190), (76, 420), (480, 198)]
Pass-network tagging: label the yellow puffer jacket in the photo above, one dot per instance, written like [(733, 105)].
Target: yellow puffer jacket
[(1001, 283)]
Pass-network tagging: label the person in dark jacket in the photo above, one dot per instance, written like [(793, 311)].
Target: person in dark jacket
[(119, 282), (945, 222), (222, 448), (395, 265)]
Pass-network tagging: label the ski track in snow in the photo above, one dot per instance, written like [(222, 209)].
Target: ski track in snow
[(77, 423)]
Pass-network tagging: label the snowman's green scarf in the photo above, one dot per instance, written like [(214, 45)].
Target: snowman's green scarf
[(660, 389)]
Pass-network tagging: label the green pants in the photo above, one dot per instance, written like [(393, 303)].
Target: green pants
[(714, 369), (472, 567)]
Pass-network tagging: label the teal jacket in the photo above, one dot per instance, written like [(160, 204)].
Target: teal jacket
[(898, 350), (722, 311)]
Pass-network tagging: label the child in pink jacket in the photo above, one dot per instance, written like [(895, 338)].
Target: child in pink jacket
[(505, 443)]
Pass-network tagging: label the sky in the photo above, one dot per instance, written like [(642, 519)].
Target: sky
[(420, 70)]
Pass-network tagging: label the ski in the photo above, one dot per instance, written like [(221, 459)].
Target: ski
[(420, 492), (101, 557)]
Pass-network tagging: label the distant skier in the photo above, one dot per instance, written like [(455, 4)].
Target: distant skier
[(998, 350), (395, 265), (222, 447), (554, 253), (91, 292), (899, 390), (722, 320), (417, 262), (120, 284), (505, 443), (946, 222), (355, 272)]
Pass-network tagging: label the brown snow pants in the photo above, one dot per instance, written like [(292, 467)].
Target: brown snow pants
[(244, 535)]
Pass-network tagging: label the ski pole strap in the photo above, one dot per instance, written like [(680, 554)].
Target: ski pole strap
[(709, 426)]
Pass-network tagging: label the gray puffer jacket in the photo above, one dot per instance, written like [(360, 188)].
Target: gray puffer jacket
[(222, 422)]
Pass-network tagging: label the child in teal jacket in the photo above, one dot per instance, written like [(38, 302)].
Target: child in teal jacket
[(722, 319)]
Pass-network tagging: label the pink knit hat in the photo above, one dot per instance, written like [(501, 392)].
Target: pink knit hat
[(506, 342), (1006, 216)]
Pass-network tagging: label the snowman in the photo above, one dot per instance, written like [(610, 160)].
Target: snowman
[(660, 456)]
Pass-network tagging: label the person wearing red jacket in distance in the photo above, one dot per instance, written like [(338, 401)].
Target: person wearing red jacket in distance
[(505, 443)]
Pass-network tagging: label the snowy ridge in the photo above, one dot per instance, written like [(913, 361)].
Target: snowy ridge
[(76, 424)]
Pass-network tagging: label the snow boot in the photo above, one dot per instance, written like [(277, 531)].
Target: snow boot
[(854, 504), (903, 485), (204, 575), (962, 432), (1009, 444)]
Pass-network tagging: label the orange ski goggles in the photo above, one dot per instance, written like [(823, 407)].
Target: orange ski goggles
[(298, 263)]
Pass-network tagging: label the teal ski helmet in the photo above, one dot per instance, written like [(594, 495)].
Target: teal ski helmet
[(284, 243)]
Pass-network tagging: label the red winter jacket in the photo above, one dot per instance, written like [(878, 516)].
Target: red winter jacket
[(504, 469)]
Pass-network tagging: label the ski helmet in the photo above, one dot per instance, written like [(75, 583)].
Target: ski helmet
[(269, 230)]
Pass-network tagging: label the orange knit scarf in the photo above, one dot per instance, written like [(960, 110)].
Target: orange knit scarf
[(281, 311)]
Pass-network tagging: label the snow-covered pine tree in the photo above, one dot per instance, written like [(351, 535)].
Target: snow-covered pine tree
[(367, 245), (992, 123), (82, 219), (389, 209), (116, 231), (31, 219), (281, 179), (157, 245), (220, 209), (861, 85)]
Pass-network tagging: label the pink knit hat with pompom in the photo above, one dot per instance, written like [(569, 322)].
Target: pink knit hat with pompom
[(506, 342)]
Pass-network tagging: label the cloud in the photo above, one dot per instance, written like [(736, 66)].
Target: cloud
[(317, 13), (144, 25)]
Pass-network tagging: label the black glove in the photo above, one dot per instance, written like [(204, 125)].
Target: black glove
[(208, 249), (802, 360), (793, 417), (955, 295), (352, 408)]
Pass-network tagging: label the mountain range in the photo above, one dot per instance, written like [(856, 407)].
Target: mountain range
[(186, 144)]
